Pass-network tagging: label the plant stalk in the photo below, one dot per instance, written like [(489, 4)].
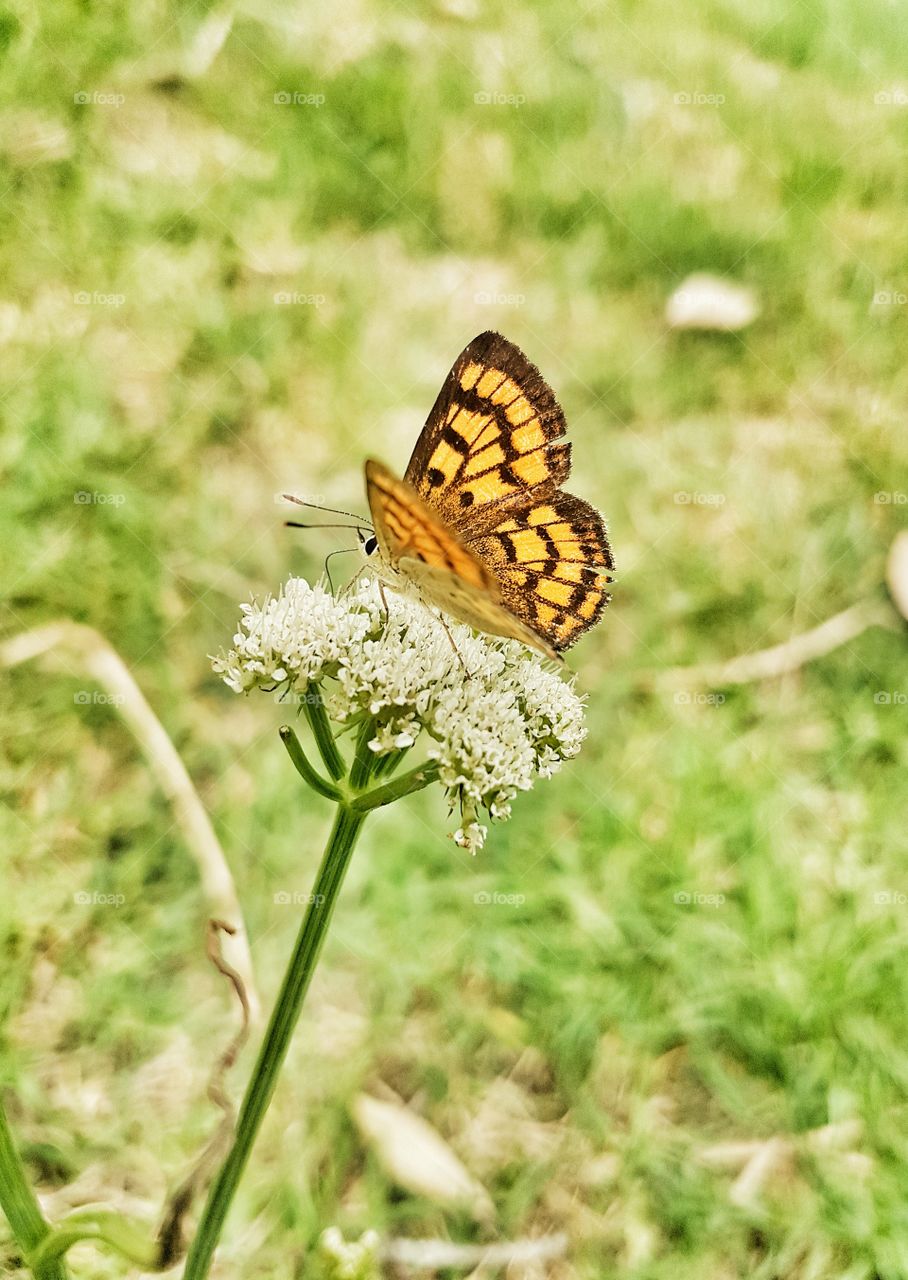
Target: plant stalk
[(321, 731), (29, 1226), (336, 859), (405, 785), (304, 768)]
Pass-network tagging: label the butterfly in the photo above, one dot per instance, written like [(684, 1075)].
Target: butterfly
[(479, 525)]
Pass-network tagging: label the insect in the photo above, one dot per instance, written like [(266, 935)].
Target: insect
[(479, 525)]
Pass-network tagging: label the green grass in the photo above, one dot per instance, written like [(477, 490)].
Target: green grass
[(612, 1020)]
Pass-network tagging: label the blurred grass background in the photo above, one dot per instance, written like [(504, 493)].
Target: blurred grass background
[(583, 1048)]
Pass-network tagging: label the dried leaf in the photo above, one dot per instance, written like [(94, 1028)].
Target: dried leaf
[(897, 572), (708, 302), (417, 1158)]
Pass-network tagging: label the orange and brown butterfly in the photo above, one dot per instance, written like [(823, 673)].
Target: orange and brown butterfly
[(479, 524)]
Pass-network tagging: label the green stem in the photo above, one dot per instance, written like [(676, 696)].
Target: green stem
[(388, 763), (330, 876), (364, 761), (414, 780), (18, 1201), (321, 731), (304, 768), (104, 1226)]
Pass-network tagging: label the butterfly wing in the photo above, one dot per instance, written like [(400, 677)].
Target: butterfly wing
[(552, 563), (417, 544), (493, 438), (407, 529), (479, 521)]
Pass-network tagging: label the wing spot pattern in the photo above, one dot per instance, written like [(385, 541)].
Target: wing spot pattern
[(445, 459), (492, 456), (543, 515), (507, 392), (488, 435), (590, 603), (519, 411), (469, 425), (560, 593), (489, 383), (528, 437), (531, 468)]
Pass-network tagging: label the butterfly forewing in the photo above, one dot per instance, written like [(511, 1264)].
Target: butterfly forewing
[(407, 529), (493, 436)]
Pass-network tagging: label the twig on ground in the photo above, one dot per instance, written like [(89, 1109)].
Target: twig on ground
[(95, 656), (780, 659), (757, 1161), (431, 1255)]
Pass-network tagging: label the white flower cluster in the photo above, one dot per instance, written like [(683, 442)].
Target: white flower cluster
[(490, 713)]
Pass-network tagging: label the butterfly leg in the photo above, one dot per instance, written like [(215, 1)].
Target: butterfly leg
[(447, 631)]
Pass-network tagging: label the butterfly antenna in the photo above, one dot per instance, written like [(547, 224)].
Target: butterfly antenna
[(298, 524), (334, 511)]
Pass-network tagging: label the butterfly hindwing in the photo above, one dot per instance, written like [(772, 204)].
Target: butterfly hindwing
[(552, 562), (494, 436), (471, 604)]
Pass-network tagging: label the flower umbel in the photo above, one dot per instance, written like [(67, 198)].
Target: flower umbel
[(491, 716), (486, 716)]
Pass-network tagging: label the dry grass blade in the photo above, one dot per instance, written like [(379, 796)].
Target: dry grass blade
[(780, 659), (93, 655), (431, 1255), (171, 1245), (897, 572)]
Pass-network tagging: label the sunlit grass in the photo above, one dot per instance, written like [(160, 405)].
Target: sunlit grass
[(624, 1030)]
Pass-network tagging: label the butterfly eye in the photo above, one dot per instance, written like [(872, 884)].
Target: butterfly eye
[(369, 545)]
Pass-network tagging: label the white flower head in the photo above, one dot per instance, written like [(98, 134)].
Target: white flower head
[(492, 715)]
